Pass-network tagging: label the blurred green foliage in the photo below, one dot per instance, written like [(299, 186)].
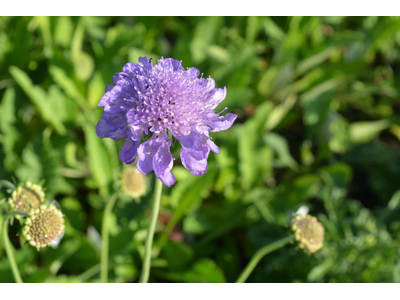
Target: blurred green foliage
[(318, 126)]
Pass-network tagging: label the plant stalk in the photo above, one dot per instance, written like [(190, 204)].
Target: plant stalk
[(8, 247), (144, 276), (260, 254), (105, 238)]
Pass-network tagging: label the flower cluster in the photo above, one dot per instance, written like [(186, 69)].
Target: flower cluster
[(44, 225), (26, 197), (159, 101), (308, 232)]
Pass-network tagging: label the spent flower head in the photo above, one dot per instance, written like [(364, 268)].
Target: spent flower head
[(163, 101), (133, 182), (308, 232), (43, 226), (26, 197)]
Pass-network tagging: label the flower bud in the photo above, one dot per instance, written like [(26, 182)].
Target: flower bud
[(44, 225), (133, 182), (26, 197), (308, 232)]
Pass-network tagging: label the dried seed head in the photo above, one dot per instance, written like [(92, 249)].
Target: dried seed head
[(26, 197), (44, 225), (133, 182), (308, 232)]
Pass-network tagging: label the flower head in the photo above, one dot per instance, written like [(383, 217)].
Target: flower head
[(26, 197), (308, 232), (159, 101), (44, 225), (133, 182)]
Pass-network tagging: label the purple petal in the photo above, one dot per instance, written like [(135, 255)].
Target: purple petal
[(128, 151), (109, 87), (163, 162), (169, 64), (111, 125), (214, 148), (217, 96), (192, 141), (194, 153), (146, 152), (188, 141), (121, 79), (136, 132), (118, 99), (145, 63), (196, 167), (222, 123), (168, 179), (133, 69), (122, 136), (193, 72)]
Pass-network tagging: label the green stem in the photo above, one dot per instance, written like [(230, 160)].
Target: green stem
[(90, 273), (8, 247), (260, 254), (144, 276), (105, 238)]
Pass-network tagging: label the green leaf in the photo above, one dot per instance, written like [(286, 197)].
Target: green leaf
[(318, 272), (313, 61), (364, 132), (178, 255), (99, 159), (9, 134), (31, 169), (204, 270), (253, 27), (95, 89), (63, 33), (39, 98), (249, 143), (273, 31), (280, 112), (281, 147), (204, 36), (218, 53), (70, 88), (44, 25), (394, 202), (83, 65)]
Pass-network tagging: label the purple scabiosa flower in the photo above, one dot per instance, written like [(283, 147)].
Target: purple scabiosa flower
[(161, 101)]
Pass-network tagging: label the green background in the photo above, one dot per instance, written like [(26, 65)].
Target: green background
[(318, 125)]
